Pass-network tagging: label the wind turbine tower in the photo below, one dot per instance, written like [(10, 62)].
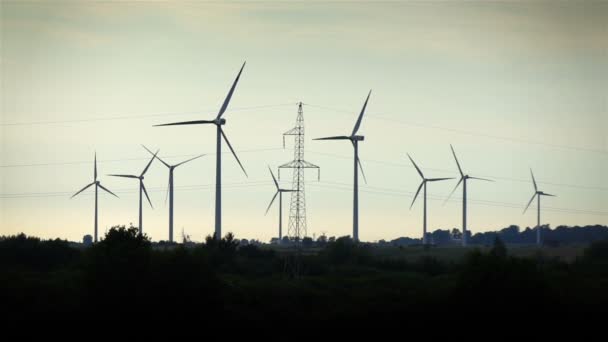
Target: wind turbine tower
[(423, 184), (280, 193), (354, 139), (463, 179), (218, 122), (297, 209), (170, 187), (539, 194), (97, 185)]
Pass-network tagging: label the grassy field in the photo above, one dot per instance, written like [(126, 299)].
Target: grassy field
[(567, 253), (456, 253)]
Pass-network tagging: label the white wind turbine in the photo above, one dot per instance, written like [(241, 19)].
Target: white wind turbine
[(354, 139), (539, 194), (424, 181), (142, 188), (280, 193), (463, 179), (97, 185), (170, 188), (218, 122)]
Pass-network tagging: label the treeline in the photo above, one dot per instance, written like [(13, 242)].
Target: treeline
[(561, 235), (124, 276)]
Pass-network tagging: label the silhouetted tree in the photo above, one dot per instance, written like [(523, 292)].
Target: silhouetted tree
[(307, 242), (499, 249)]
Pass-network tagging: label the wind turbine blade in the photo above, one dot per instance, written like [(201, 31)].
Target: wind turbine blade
[(356, 128), (195, 122), (274, 179), (341, 137), (416, 166), (360, 166), (125, 176), (415, 196), (233, 153), (191, 159), (271, 201), (95, 168), (108, 191), (167, 193), (451, 193), (457, 163), (546, 194), (143, 187), (437, 179), (81, 190), (483, 179), (157, 157), (149, 163), (533, 180), (229, 96), (531, 199)]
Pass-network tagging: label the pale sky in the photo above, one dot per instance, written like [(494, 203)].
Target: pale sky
[(512, 85)]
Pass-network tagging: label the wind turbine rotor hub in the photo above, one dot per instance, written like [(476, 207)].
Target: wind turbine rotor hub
[(357, 138), (220, 121)]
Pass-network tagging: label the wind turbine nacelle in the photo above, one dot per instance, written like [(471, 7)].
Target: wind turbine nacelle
[(358, 138), (220, 122)]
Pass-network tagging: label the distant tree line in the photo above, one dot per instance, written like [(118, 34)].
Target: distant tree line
[(514, 235), (125, 276)]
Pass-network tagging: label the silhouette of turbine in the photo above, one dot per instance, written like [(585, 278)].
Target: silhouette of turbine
[(218, 122), (97, 185), (539, 194), (354, 139), (280, 193), (423, 183), (170, 188), (142, 187), (463, 179)]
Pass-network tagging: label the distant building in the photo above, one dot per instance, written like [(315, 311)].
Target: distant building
[(87, 240)]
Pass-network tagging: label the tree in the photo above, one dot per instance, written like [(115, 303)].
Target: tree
[(322, 240), (499, 249), (307, 242), (119, 263)]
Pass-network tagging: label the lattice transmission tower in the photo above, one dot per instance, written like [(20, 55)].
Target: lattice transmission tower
[(297, 208)]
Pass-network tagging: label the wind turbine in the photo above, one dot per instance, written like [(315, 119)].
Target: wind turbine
[(539, 194), (463, 179), (141, 188), (354, 139), (424, 181), (280, 193), (170, 188), (97, 185), (218, 122)]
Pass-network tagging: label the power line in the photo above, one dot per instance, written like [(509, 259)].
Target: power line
[(331, 155), (130, 117), (132, 159), (406, 165), (409, 195), (466, 132), (323, 184), (378, 117)]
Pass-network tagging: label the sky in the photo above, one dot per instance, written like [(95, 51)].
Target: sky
[(512, 85)]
